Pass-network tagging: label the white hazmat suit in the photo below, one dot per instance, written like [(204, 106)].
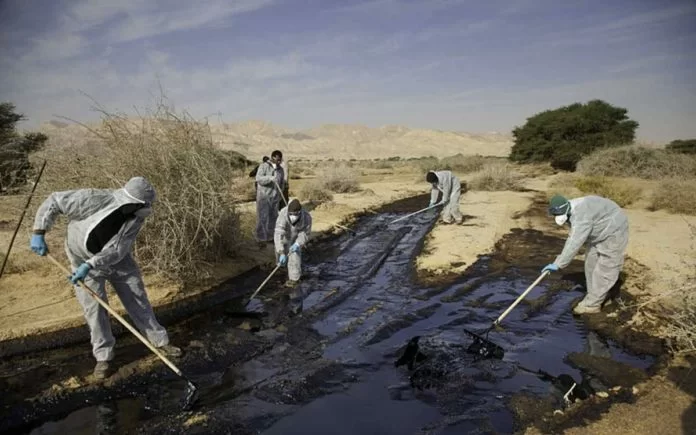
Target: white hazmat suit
[(600, 225), (451, 187), (267, 199), (100, 234), (288, 233)]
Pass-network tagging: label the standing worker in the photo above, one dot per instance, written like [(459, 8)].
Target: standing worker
[(293, 226), (102, 226), (268, 177), (447, 183), (253, 172), (601, 225)]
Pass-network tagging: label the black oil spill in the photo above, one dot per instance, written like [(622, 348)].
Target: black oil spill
[(332, 368)]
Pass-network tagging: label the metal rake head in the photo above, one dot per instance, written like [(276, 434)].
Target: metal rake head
[(484, 348)]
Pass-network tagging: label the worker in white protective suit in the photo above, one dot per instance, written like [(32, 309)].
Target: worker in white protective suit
[(102, 227), (600, 225), (450, 186), (269, 178), (293, 226)]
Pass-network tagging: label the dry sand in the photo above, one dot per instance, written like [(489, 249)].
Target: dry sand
[(487, 217)]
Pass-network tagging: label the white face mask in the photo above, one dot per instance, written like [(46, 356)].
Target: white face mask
[(294, 218), (561, 219), (143, 212)]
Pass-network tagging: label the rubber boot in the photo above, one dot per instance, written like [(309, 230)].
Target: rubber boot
[(101, 370)]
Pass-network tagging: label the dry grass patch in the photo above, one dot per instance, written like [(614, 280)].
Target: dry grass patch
[(194, 223), (637, 161), (496, 177), (620, 191), (315, 191), (675, 196), (339, 179)]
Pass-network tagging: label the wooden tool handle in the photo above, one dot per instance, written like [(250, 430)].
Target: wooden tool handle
[(519, 299), (118, 317), (265, 281)]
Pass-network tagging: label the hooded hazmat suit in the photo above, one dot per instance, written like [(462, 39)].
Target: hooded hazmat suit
[(287, 233), (601, 225), (450, 186), (267, 199), (100, 234)]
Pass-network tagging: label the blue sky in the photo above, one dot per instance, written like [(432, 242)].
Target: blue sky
[(465, 65)]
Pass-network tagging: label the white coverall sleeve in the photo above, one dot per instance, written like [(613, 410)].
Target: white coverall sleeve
[(71, 203), (119, 245), (306, 229), (264, 176), (579, 231), (280, 233), (433, 195), (446, 187)]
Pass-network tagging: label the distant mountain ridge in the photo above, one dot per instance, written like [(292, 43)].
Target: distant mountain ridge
[(257, 138)]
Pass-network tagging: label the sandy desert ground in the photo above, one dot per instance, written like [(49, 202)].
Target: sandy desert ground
[(35, 296)]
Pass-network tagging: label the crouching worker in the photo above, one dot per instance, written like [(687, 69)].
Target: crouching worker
[(600, 225), (451, 188), (292, 230), (102, 226)]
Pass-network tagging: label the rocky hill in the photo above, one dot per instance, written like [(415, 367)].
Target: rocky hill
[(255, 139)]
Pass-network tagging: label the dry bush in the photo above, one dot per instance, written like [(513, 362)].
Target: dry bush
[(242, 188), (675, 196), (637, 161), (194, 223), (681, 323), (339, 179), (620, 191), (425, 164), (495, 177), (563, 184), (463, 164), (315, 191)]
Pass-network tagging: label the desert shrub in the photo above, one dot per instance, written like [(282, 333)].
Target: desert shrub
[(242, 188), (676, 196), (339, 179), (463, 164), (640, 162), (15, 148), (620, 191), (382, 164), (562, 136), (682, 146), (426, 164), (494, 177), (681, 324), (315, 191), (194, 223)]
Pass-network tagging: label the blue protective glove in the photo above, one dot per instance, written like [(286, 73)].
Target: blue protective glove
[(38, 244), (80, 273), (295, 247), (283, 260), (552, 267)]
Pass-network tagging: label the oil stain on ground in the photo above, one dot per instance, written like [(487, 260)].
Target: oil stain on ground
[(332, 369)]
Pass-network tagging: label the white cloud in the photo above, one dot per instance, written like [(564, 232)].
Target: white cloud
[(185, 16), (56, 47)]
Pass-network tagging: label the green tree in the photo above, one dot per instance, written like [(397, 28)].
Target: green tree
[(682, 146), (562, 136), (15, 148)]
